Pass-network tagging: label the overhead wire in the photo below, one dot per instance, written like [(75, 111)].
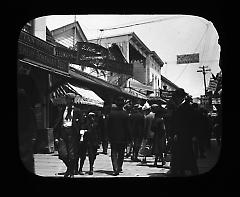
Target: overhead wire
[(204, 35), (140, 23)]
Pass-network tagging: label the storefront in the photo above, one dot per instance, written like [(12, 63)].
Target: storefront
[(41, 71)]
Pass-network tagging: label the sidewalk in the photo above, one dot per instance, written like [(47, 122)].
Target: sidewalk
[(48, 165)]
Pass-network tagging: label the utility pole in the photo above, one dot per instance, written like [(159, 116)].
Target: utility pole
[(204, 70)]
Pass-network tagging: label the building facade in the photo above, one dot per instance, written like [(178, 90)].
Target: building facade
[(166, 84), (146, 63)]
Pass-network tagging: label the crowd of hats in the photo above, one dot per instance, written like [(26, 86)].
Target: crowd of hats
[(121, 102)]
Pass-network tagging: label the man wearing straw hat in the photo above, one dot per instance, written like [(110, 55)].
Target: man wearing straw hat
[(68, 136)]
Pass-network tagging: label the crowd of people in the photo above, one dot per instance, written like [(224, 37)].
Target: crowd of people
[(182, 129)]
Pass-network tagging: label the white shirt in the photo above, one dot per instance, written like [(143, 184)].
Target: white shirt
[(67, 123)]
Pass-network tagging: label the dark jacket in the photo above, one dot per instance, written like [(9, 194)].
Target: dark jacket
[(91, 137), (183, 126), (102, 125), (137, 125), (118, 126)]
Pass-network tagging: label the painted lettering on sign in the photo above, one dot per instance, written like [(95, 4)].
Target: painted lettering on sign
[(188, 58), (35, 42), (66, 54), (36, 55), (96, 56)]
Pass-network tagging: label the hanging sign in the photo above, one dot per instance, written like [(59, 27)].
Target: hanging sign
[(188, 58), (165, 94), (96, 56)]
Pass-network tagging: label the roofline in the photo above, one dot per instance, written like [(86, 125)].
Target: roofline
[(157, 58), (126, 34), (134, 35), (69, 25), (167, 80), (141, 42)]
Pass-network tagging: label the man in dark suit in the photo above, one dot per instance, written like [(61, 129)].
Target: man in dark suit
[(68, 136), (103, 119), (137, 122), (183, 120), (118, 134)]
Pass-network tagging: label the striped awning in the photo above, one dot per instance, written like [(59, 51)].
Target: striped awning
[(83, 96)]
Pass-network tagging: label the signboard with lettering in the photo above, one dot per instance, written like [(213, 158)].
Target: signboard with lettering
[(89, 51), (165, 94), (66, 54), (36, 42), (96, 56), (39, 51), (41, 57), (188, 58), (135, 93)]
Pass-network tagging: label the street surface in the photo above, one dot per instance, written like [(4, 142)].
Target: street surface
[(48, 165)]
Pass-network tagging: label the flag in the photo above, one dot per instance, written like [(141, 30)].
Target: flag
[(214, 77)]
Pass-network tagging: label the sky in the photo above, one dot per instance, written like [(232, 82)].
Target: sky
[(167, 35)]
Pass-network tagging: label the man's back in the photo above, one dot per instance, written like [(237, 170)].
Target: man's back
[(137, 122), (118, 126)]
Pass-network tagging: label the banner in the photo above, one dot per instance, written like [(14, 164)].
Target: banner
[(188, 58)]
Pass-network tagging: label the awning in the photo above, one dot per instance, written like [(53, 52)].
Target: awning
[(87, 97), (84, 96), (157, 99), (133, 83), (135, 93)]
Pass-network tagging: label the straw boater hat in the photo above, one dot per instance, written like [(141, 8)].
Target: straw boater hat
[(155, 105), (91, 114), (146, 106)]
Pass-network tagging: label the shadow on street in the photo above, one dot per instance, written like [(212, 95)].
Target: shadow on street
[(157, 174), (108, 172)]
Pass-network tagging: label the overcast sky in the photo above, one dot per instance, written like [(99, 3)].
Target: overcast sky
[(167, 35)]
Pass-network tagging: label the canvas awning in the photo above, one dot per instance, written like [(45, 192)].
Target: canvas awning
[(87, 96), (133, 83), (83, 95), (135, 93)]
